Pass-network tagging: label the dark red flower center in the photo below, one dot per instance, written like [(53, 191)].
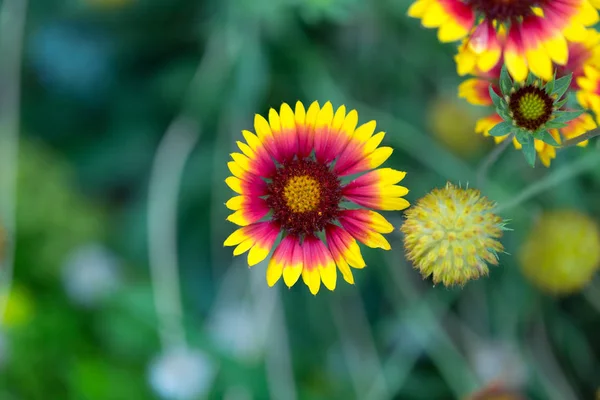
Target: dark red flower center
[(503, 10), (531, 107), (304, 196)]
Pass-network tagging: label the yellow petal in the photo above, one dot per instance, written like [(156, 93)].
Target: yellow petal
[(237, 237), (257, 254), (328, 275), (235, 203), (235, 184), (312, 279), (379, 156), (291, 273), (365, 131), (274, 272)]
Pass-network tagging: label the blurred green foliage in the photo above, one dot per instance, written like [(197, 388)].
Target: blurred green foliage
[(103, 80)]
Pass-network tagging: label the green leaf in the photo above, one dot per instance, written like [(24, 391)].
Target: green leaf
[(566, 116), (550, 85), (502, 112), (546, 137), (530, 79), (529, 152), (561, 85), (502, 129), (561, 103), (555, 125), (505, 82), (522, 136), (497, 100)]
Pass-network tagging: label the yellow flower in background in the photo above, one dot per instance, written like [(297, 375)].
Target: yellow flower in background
[(452, 124), (452, 234), (562, 252), (288, 178), (19, 307)]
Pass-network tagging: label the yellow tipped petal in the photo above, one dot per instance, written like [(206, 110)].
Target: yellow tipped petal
[(539, 63), (390, 176), (274, 272), (365, 131), (291, 274), (235, 184), (354, 256), (394, 191), (235, 169), (376, 240), (379, 156), (261, 125), (287, 117), (257, 254), (451, 32), (235, 203), (328, 274), (325, 115), (238, 218), (274, 121), (350, 123), (244, 246), (338, 118), (516, 65), (395, 204), (252, 140), (379, 223), (312, 279), (247, 150), (373, 142), (312, 113), (300, 113), (345, 270), (237, 237)]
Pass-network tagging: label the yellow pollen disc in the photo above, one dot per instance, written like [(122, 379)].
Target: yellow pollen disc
[(302, 193), (532, 106)]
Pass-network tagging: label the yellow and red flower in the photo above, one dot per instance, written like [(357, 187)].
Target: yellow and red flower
[(588, 94), (289, 180), (583, 58), (528, 34), (576, 127)]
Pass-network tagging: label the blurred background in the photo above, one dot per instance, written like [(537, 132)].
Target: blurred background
[(125, 112)]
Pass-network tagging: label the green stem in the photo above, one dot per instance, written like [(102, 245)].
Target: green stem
[(553, 179), (491, 158), (581, 138)]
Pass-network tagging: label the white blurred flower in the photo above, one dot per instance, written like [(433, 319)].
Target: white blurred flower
[(91, 273), (181, 374), (499, 361), (406, 335), (234, 329)]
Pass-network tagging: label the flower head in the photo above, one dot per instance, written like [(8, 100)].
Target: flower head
[(292, 178), (528, 34), (582, 55), (530, 110), (562, 252), (451, 233)]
